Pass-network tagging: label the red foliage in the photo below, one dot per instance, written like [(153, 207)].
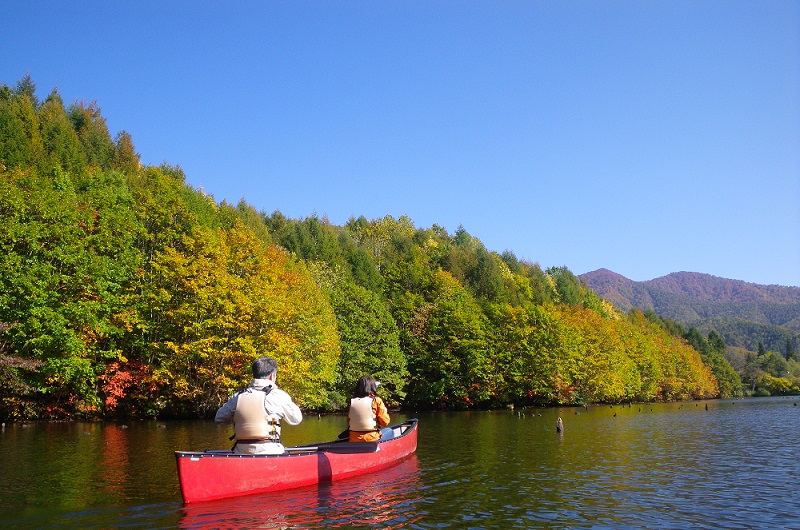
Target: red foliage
[(123, 380)]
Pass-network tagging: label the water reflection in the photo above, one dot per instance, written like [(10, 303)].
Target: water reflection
[(659, 466), (386, 499), (733, 465), (114, 459)]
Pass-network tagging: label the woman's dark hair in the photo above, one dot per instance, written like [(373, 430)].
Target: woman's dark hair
[(264, 367), (366, 386)]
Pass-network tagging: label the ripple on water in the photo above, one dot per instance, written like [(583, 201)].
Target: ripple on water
[(670, 466)]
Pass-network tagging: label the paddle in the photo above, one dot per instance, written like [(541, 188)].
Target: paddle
[(339, 447)]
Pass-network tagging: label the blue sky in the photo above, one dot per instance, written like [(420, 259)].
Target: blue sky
[(642, 137)]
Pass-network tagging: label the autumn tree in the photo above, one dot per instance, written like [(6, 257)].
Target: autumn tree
[(225, 300), (712, 350), (128, 292)]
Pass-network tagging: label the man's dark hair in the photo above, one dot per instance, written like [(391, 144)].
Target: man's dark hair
[(366, 386), (264, 367)]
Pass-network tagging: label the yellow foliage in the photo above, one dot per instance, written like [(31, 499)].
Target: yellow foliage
[(615, 360), (239, 300)]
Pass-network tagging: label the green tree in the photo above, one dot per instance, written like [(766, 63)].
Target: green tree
[(712, 351), (408, 282), (448, 357), (91, 129), (774, 364), (568, 286), (369, 341), (125, 158), (20, 138), (15, 148), (486, 277), (39, 248), (17, 396), (61, 144), (67, 255), (247, 215), (27, 88), (523, 346), (730, 383)]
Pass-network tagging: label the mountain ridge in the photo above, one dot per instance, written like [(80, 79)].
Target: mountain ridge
[(743, 313)]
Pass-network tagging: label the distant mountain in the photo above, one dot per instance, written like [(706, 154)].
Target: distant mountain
[(742, 313)]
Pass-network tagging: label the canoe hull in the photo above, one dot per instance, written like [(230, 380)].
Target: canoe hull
[(213, 475)]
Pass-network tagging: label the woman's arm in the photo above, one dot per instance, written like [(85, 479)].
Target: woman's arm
[(381, 412)]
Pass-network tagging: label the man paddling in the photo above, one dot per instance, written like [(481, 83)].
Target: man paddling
[(257, 410)]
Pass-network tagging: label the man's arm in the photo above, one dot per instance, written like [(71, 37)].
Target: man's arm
[(226, 411), (291, 412)]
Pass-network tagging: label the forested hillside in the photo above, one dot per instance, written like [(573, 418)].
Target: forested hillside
[(744, 314), (125, 292), (760, 324)]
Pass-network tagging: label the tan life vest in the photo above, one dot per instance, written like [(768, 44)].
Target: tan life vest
[(361, 416), (251, 421)]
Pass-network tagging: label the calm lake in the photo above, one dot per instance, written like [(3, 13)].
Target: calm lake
[(717, 464)]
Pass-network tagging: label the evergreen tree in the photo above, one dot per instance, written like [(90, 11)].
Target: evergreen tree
[(125, 159), (26, 87), (90, 126), (15, 149), (60, 141), (567, 285)]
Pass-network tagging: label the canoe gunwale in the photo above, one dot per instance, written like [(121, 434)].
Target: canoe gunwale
[(338, 446)]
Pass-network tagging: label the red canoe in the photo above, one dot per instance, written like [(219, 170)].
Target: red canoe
[(212, 475)]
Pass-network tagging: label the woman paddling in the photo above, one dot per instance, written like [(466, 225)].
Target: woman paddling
[(368, 413)]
